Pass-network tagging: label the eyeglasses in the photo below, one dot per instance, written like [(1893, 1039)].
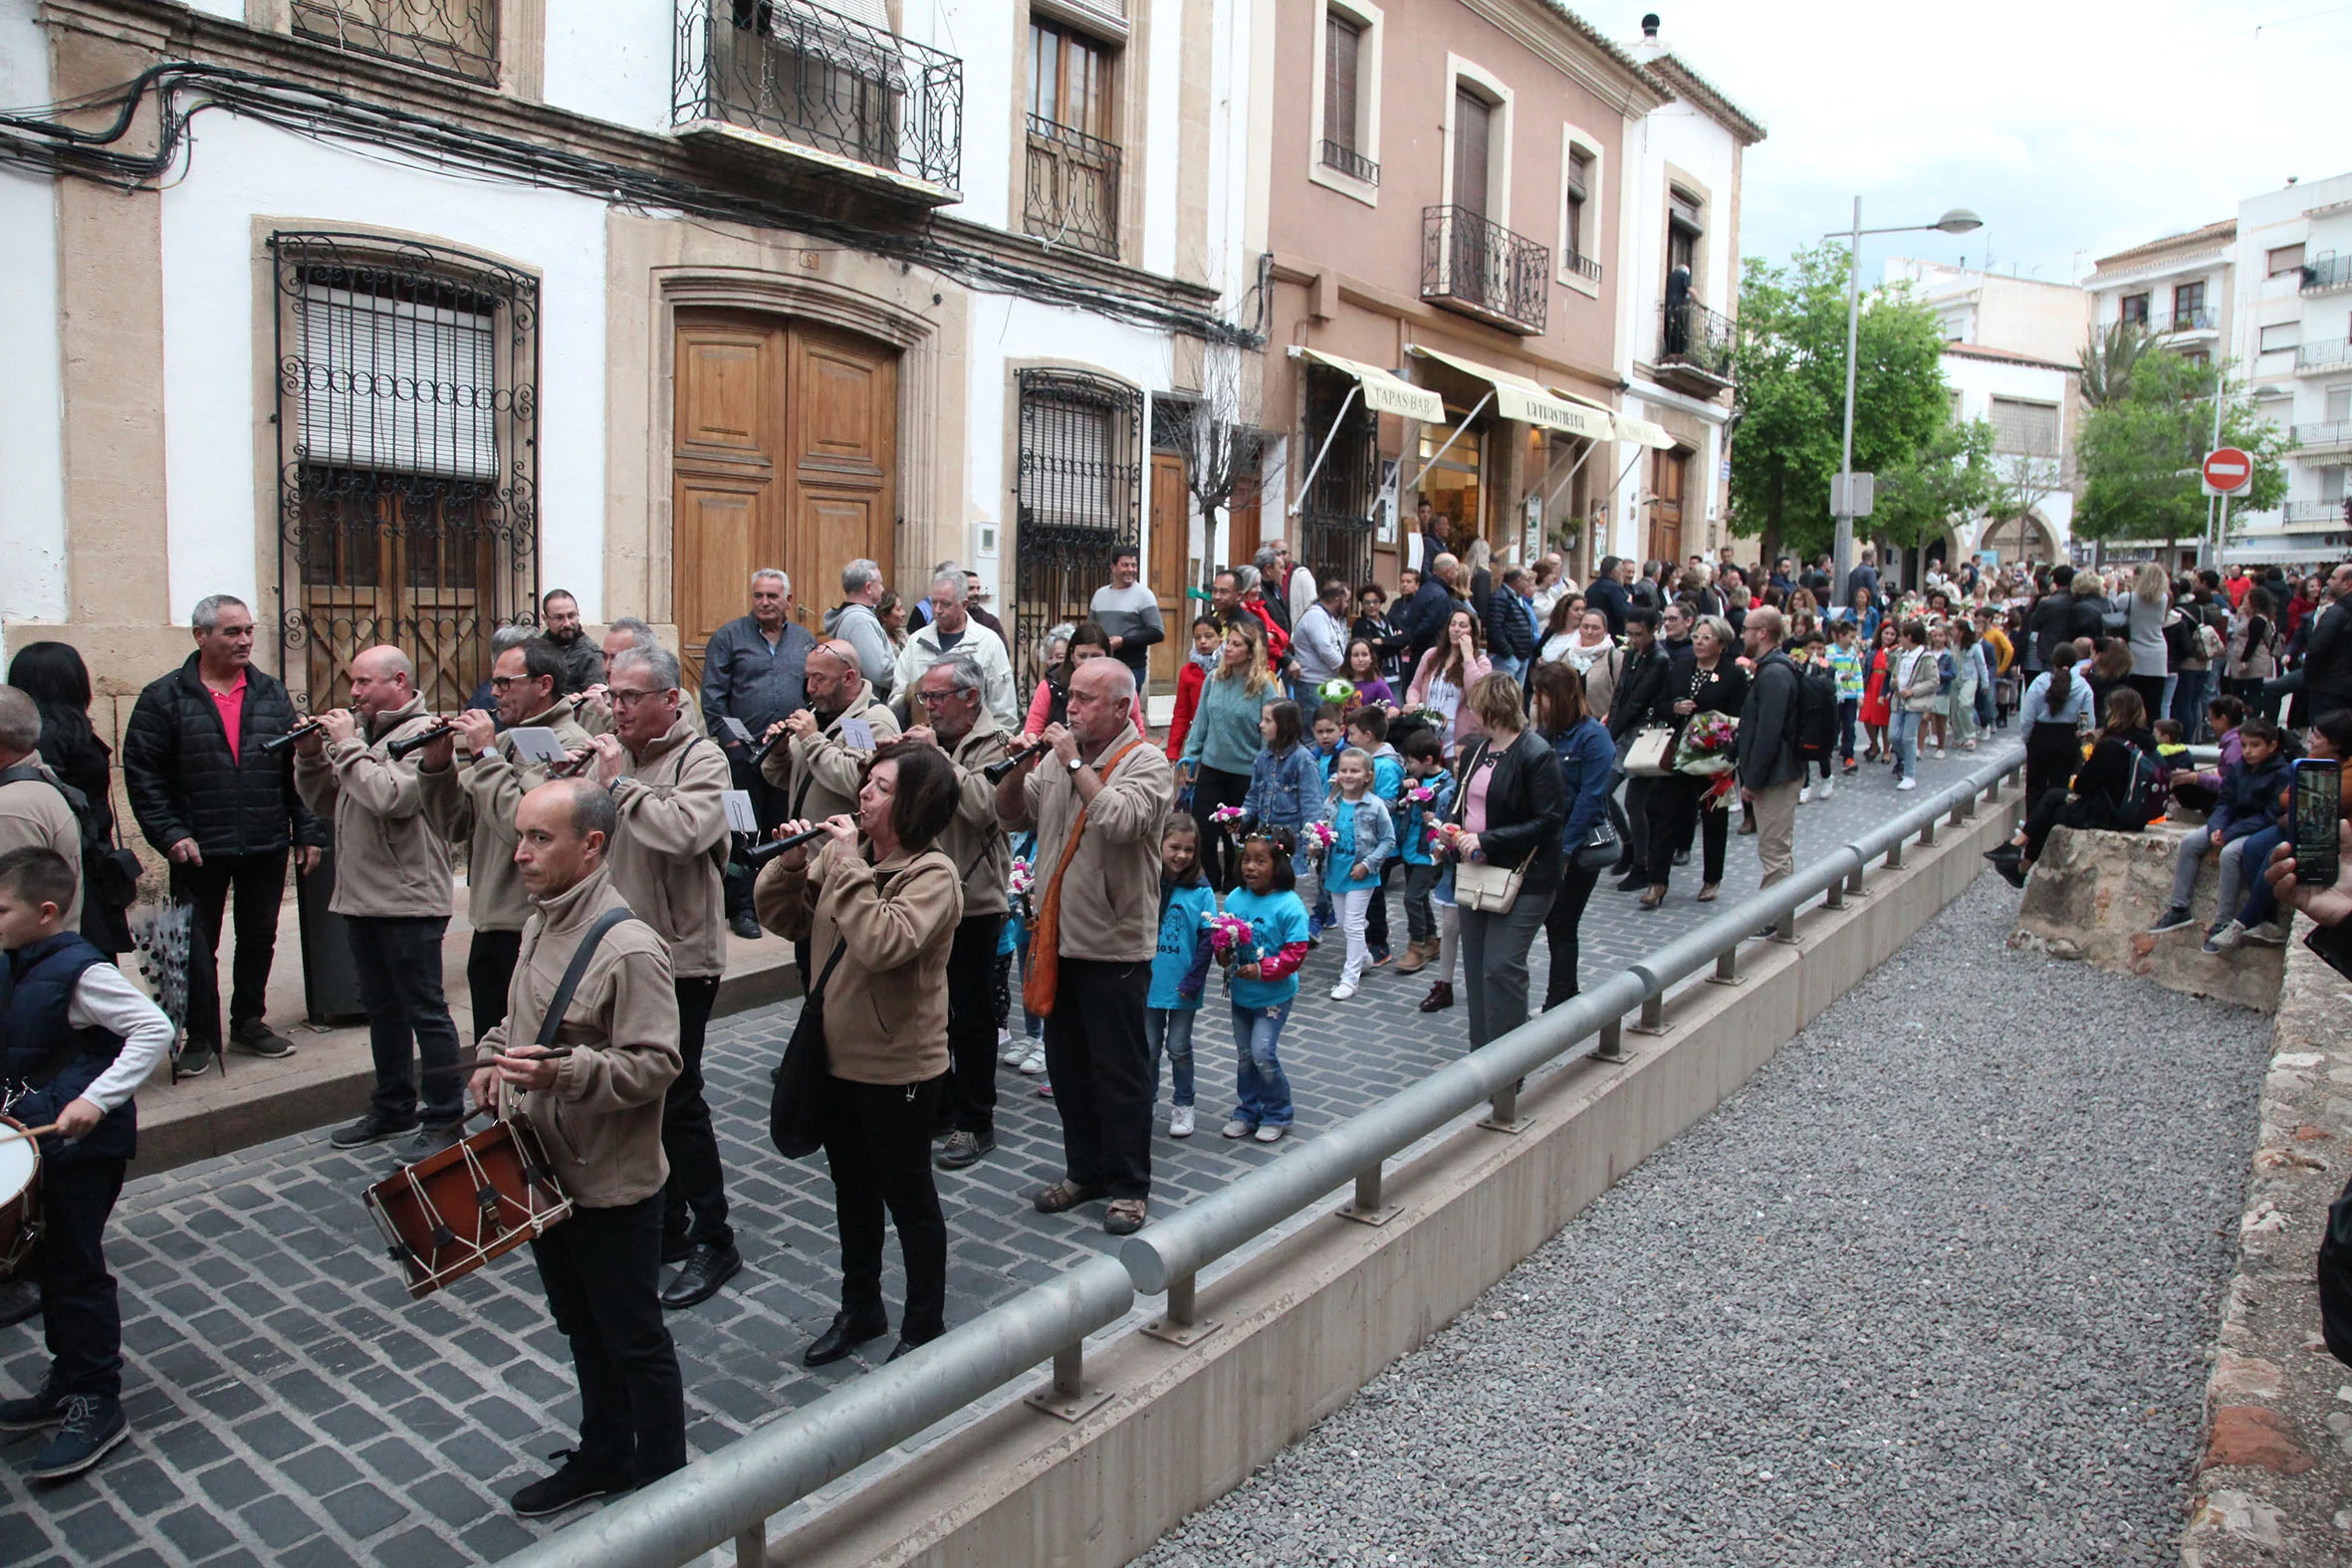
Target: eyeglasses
[(934, 699), (624, 698), (500, 683)]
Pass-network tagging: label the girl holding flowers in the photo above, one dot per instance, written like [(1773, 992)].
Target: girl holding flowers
[(1260, 939), (1357, 838), (1221, 749)]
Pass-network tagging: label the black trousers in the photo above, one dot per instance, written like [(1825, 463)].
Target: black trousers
[(1100, 1065), (602, 1270), (877, 1143), (970, 1101), (694, 1198), (1674, 819), (1220, 860), (489, 967), (259, 881), (2052, 752), (1640, 792), (1559, 929), (81, 1319), (398, 959)]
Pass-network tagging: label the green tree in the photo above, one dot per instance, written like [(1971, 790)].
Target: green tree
[(1791, 375), (1951, 477), (2108, 359), (2140, 454)]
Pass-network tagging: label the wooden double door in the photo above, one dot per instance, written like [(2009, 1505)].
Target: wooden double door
[(786, 454)]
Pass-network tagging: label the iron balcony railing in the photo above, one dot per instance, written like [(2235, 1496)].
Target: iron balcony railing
[(1072, 196), (730, 1496), (1582, 266), (2325, 436), (2203, 321), (2316, 510), (459, 37), (2327, 274), (1692, 338), (2324, 356), (1475, 265), (795, 70), (1350, 162)]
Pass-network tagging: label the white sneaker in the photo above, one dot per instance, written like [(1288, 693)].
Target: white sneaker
[(1341, 992), (1033, 1061), (1237, 1128), (1805, 796), (1269, 1133), (2269, 934), (1180, 1122), (1906, 784), (1828, 787), (1012, 1048)]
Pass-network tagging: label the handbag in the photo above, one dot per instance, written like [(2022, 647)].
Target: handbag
[(792, 1121), (1601, 851), (1487, 889), (1650, 756)]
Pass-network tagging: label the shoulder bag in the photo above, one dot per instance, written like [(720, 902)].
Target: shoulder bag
[(793, 1120), (1044, 977), (1487, 889), (1651, 756)]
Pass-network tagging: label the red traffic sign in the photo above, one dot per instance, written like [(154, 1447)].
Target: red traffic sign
[(2227, 470)]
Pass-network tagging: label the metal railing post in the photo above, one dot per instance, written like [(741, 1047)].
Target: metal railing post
[(1182, 1323), (1854, 887), (1502, 1110), (1966, 810), (1835, 898), (1612, 1042), (751, 1547), (1785, 929), (1895, 856), (1367, 1208), (1726, 968), (1927, 831), (1653, 1014), (1069, 1396)]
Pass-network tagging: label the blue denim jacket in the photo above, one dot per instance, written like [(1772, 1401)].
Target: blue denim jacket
[(1284, 790), (1364, 832)]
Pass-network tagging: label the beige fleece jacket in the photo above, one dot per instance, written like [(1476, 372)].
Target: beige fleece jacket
[(389, 861), (673, 826), (475, 805)]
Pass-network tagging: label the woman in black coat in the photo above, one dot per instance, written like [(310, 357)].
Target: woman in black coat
[(54, 676), (1709, 681), (1512, 803)]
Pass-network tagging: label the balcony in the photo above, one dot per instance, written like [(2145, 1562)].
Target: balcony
[(1582, 266), (459, 37), (1695, 345), (2333, 435), (794, 79), (1480, 268), (1073, 189), (2327, 275), (2315, 515), (2318, 359), (2200, 321), (1349, 162)]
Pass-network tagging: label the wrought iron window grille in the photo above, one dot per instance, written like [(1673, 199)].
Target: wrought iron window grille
[(1335, 521), (408, 458), (2326, 274), (1078, 498), (1475, 265), (1072, 189), (803, 72), (1350, 162), (459, 37), (1693, 336), (1582, 266)]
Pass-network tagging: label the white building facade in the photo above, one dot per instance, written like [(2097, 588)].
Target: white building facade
[(2293, 345)]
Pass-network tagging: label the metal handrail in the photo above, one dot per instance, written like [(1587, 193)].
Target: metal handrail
[(732, 1494)]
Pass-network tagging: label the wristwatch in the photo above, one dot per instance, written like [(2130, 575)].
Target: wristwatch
[(1076, 764)]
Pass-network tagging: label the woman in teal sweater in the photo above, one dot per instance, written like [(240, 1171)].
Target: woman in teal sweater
[(1222, 746)]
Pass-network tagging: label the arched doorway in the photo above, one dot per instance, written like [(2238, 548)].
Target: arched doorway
[(2020, 539)]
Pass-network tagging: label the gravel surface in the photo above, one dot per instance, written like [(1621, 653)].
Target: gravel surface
[(1935, 1288)]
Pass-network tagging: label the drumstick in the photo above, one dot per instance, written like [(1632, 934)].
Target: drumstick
[(27, 1132)]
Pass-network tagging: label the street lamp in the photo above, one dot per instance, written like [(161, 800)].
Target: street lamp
[(1958, 221)]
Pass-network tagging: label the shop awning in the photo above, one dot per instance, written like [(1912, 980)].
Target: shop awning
[(1518, 398), (1629, 429), (1385, 393)]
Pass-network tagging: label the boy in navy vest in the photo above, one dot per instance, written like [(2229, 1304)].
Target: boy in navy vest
[(75, 1041)]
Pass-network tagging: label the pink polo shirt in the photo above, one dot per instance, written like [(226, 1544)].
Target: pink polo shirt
[(231, 704)]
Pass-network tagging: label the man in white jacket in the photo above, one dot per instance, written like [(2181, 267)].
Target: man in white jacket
[(951, 630)]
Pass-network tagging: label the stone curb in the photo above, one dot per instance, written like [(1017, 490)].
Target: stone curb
[(2274, 1477)]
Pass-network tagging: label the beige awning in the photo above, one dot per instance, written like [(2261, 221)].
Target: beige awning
[(1385, 393), (1628, 429), (1529, 402)]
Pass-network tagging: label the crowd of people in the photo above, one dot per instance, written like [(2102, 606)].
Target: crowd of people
[(1492, 743)]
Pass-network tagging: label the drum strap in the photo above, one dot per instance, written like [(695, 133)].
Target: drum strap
[(561, 1001)]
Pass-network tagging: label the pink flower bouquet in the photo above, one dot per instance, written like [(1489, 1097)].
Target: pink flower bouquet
[(1707, 745), (1228, 934), (1020, 878), (1318, 836), (1228, 817)]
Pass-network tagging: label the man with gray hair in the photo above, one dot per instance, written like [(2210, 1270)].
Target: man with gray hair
[(484, 700), (222, 811), (854, 622), (951, 630), (755, 670), (393, 888), (35, 812)]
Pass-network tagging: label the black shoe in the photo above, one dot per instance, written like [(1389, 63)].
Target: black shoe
[(94, 1423), (844, 1335), (19, 1299), (193, 1061), (2013, 871), (1639, 882), (678, 1248), (1682, 857), (698, 1280), (256, 1038), (432, 1138), (2173, 919), (963, 1148), (906, 1345), (569, 1485), (745, 925), (35, 1412), (369, 1129)]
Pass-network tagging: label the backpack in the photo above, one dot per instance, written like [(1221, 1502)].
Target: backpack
[(2181, 640), (2145, 794), (113, 872), (1816, 712), (2335, 1278)]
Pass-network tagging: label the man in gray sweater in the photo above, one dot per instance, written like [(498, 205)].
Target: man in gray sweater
[(854, 622), (1130, 612)]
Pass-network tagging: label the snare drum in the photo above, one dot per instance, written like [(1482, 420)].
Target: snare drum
[(20, 1198), (457, 1208)]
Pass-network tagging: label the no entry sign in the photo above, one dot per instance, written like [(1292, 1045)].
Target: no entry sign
[(2227, 470)]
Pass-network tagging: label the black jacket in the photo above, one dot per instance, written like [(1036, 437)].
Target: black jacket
[(1643, 693), (1607, 595), (183, 784), (1767, 725), (1723, 689), (1526, 807), (2051, 619), (2327, 659), (583, 664), (1422, 619)]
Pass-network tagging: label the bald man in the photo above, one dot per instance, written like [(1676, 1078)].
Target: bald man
[(392, 888), (819, 764)]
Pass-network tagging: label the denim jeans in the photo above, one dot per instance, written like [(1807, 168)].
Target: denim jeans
[(1848, 708), (1264, 1098), (2190, 690), (1171, 1028), (1903, 734)]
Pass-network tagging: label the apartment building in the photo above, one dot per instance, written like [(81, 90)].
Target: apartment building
[(387, 319), (2294, 344), (2178, 288)]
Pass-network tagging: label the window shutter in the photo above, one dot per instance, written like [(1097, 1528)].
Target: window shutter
[(1343, 52), (397, 386)]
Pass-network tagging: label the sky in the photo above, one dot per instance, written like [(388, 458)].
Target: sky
[(2074, 128)]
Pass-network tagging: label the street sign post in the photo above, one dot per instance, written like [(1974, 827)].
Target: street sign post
[(2227, 471)]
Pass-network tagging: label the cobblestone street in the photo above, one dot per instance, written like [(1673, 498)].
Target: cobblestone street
[(291, 1407)]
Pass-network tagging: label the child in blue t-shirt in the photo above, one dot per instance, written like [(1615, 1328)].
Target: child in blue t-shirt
[(1180, 969), (1367, 732), (1364, 836), (1264, 979), (1425, 771), (1846, 662)]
